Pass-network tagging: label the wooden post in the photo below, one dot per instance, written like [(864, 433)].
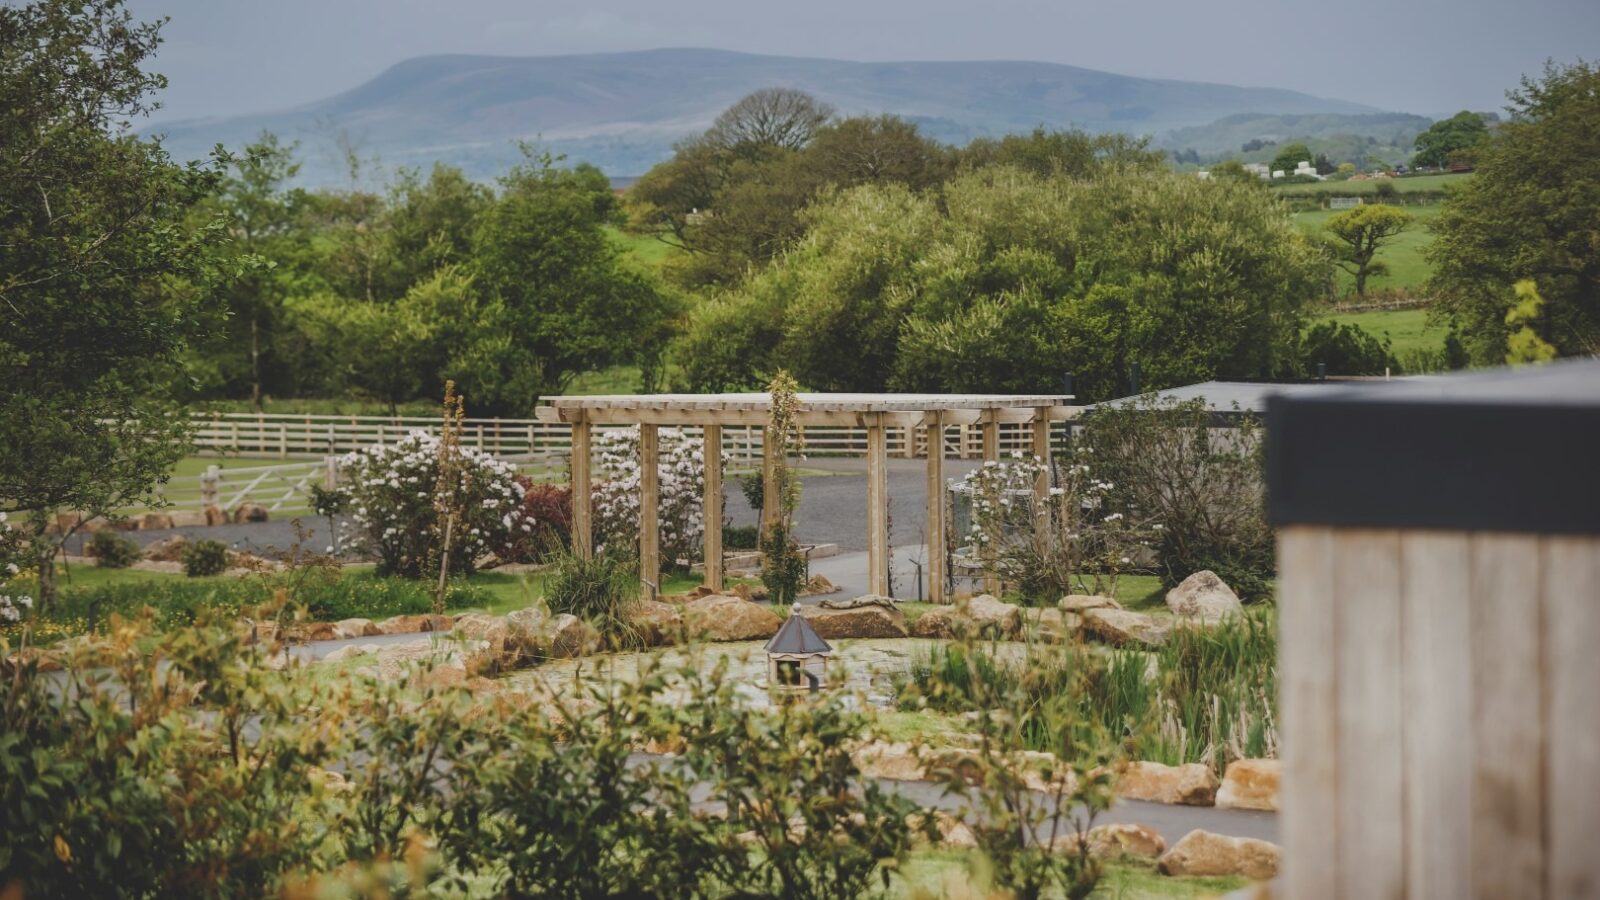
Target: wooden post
[(771, 451), (991, 453), (582, 494), (936, 522), (649, 526), (330, 472), (208, 486), (1041, 483), (712, 451), (877, 507)]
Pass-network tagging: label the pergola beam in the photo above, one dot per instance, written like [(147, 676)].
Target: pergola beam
[(806, 418)]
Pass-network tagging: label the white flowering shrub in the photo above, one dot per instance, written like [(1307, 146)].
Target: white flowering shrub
[(681, 472), (389, 494), (1075, 542), (12, 604)]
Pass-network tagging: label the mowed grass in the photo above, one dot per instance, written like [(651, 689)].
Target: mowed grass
[(643, 250), (1411, 184), (963, 873), (1408, 267), (1407, 329)]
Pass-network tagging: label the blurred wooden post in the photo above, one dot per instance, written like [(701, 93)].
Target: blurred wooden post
[(712, 451), (208, 486), (330, 472), (877, 507), (771, 454), (991, 453), (1041, 482), (582, 495), (936, 520), (649, 499)]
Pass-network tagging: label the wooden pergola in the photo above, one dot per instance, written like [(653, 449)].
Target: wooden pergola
[(874, 412)]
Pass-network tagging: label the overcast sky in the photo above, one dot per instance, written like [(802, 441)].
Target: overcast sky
[(1424, 56)]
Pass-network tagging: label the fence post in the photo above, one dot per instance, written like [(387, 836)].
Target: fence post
[(208, 487), (330, 472)]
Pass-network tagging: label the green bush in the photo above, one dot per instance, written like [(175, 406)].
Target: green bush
[(113, 551), (203, 558), (600, 590), (741, 537), (379, 597)]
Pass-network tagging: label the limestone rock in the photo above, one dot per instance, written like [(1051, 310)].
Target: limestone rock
[(895, 761), (250, 512), (480, 627), (1250, 784), (1191, 784), (215, 515), (413, 624), (443, 677), (657, 623), (354, 628), (730, 618), (953, 833), (1123, 628), (861, 622), (751, 592), (188, 518), (350, 651), (1052, 625), (816, 585), (1203, 853), (864, 600), (155, 521), (567, 636), (1204, 596), (317, 631), (1079, 602), (1125, 839), (983, 615), (167, 549)]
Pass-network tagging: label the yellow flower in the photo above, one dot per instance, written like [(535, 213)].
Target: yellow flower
[(63, 852)]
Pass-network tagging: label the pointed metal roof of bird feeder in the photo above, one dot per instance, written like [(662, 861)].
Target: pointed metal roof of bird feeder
[(797, 636)]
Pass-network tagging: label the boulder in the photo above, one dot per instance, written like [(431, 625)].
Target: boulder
[(894, 761), (216, 515), (657, 623), (1109, 842), (350, 651), (1077, 603), (1123, 628), (953, 833), (1052, 625), (354, 628), (857, 602), (480, 627), (1039, 771), (816, 585), (415, 624), (1215, 855), (317, 631), (567, 636), (1191, 784), (982, 615), (155, 521), (189, 518), (250, 512), (1205, 597), (441, 678), (720, 617), (751, 592), (1250, 784), (861, 622)]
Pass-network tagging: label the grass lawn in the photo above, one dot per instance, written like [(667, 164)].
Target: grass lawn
[(644, 250), (1408, 329), (1406, 185), (1408, 268), (941, 873)]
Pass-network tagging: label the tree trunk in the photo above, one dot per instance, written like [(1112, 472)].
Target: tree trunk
[(255, 364), (47, 581)]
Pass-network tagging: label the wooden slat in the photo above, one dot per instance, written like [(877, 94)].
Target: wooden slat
[(936, 520), (1507, 787), (711, 449), (582, 494), (1368, 659), (1437, 686), (649, 500), (1571, 594), (1309, 709), (877, 510)]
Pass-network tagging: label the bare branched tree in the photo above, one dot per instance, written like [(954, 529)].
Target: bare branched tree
[(782, 118)]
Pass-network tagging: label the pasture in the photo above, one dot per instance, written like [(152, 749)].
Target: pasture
[(1407, 329), (1408, 268), (1410, 184)]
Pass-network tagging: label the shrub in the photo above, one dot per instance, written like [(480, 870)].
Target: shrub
[(600, 590), (755, 492), (205, 557), (680, 508), (391, 491), (365, 597), (113, 551), (741, 537), (544, 522), (1345, 350)]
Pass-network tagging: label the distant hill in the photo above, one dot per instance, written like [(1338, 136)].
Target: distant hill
[(623, 111), (1253, 137)]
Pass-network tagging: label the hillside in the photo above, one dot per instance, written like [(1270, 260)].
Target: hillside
[(623, 111), (1255, 137)]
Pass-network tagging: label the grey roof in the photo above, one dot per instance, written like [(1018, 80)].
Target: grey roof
[(1567, 382), (1251, 396), (797, 636)]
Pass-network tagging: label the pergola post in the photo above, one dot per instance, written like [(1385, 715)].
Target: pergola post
[(936, 520), (582, 493), (1041, 482), (877, 507), (712, 508), (991, 453), (649, 526), (771, 452)]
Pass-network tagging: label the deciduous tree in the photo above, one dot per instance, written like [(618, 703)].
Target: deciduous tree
[(1359, 233)]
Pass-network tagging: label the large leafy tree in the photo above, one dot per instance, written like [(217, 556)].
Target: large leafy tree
[(1448, 140), (92, 226), (1531, 212), (1356, 236)]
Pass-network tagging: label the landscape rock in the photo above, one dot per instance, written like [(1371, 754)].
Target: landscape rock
[(1079, 602), (1040, 771), (354, 628), (721, 617), (1123, 628), (1109, 842), (1203, 853), (443, 677), (155, 521), (567, 636), (657, 623), (215, 515), (1250, 784), (1204, 596), (1191, 784), (250, 512), (480, 627), (350, 651), (751, 592), (953, 833), (861, 622), (189, 518), (983, 615), (1052, 625), (894, 761), (860, 602), (414, 624), (817, 585), (317, 631)]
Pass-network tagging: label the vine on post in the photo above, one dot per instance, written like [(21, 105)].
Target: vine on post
[(783, 566), (448, 492)]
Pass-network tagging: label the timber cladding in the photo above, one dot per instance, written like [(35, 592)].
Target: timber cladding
[(1439, 648)]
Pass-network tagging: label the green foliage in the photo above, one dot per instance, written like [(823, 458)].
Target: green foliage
[(755, 493), (783, 566), (205, 557), (992, 284), (1528, 213), (741, 537), (1450, 140), (1204, 486), (113, 551), (1358, 234), (1345, 350), (601, 590), (92, 222), (1289, 156), (1524, 345)]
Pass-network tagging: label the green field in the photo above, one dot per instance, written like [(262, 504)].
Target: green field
[(1408, 269), (1407, 329), (646, 250), (1406, 185)]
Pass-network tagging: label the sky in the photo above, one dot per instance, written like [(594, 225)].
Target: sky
[(1432, 57)]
